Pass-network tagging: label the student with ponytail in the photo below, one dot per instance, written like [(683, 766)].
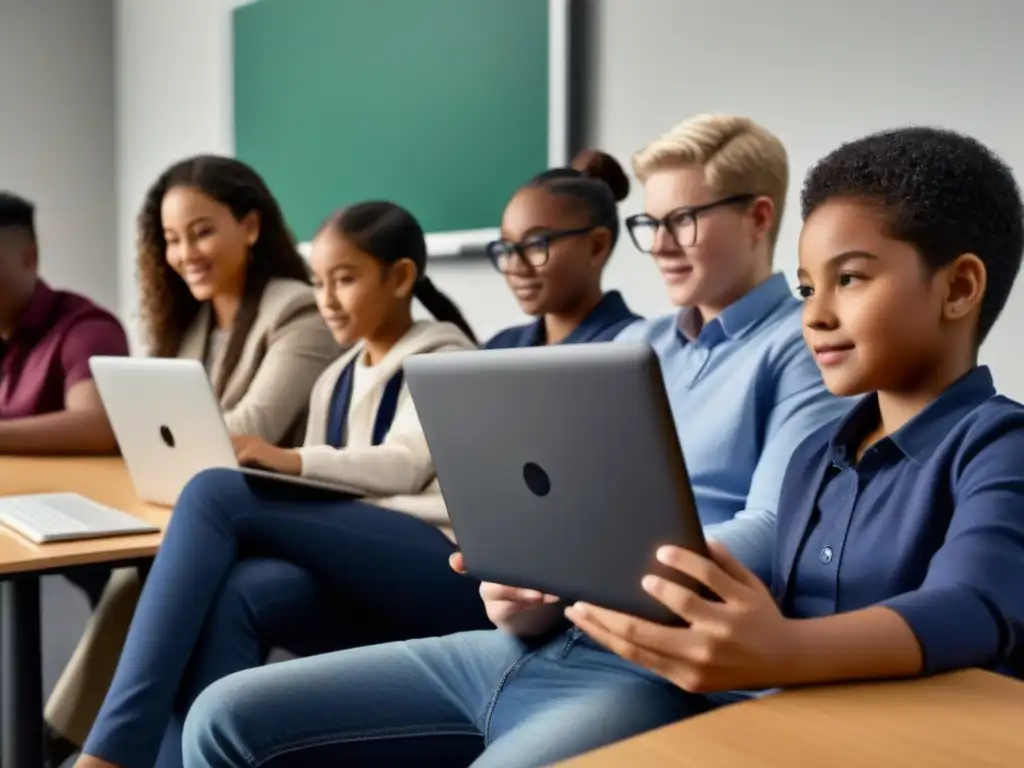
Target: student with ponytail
[(557, 234), (249, 565)]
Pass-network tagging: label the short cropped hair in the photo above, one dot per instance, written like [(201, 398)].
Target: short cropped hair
[(942, 192), (739, 157), (17, 212)]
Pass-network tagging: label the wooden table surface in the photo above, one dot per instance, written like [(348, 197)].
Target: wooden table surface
[(104, 480), (970, 719)]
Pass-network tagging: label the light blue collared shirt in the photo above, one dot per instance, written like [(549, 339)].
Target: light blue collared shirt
[(745, 392)]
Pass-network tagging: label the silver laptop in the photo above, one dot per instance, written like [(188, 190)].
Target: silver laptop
[(169, 426), (560, 467), (46, 517)]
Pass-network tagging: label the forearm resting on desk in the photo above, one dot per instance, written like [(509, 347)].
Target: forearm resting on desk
[(872, 643), (64, 432)]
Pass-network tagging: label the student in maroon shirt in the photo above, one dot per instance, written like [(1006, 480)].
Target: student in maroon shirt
[(48, 401)]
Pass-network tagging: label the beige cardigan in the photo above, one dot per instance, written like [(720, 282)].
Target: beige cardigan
[(398, 473), (288, 347)]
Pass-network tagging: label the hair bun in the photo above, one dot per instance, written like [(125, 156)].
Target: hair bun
[(598, 165)]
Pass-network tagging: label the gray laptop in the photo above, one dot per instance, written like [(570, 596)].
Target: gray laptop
[(169, 426), (560, 467)]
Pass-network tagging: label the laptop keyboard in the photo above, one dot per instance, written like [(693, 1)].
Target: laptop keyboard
[(62, 516), (43, 516)]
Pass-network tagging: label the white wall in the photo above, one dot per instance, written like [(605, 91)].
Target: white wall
[(816, 73), (174, 99), (57, 135)]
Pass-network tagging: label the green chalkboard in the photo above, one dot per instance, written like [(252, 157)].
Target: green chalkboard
[(438, 105)]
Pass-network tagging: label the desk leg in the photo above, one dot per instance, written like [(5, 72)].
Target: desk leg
[(21, 674)]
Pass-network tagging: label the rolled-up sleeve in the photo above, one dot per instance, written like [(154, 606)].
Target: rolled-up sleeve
[(969, 611)]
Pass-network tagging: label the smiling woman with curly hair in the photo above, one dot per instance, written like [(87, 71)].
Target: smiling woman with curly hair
[(173, 282), (222, 283)]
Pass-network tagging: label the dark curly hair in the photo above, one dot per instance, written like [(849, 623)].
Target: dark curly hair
[(168, 307), (944, 193), (390, 233)]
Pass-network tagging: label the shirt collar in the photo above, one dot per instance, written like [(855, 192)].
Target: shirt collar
[(738, 318), (609, 310), (35, 317), (920, 436)]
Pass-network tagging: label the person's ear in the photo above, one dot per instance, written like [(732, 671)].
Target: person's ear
[(403, 275), (600, 246), (30, 257), (251, 224), (762, 213), (964, 280)]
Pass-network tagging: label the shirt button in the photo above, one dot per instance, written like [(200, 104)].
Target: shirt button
[(825, 555)]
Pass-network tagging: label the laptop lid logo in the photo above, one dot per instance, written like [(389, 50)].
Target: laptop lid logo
[(536, 479), (167, 436)]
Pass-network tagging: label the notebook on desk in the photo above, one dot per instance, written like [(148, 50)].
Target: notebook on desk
[(45, 517)]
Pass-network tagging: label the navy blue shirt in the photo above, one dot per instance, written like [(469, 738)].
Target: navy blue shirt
[(929, 523), (604, 323), (745, 392)]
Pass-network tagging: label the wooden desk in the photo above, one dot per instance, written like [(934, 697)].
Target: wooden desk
[(970, 718), (104, 480)]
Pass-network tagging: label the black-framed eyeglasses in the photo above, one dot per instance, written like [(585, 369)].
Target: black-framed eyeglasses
[(534, 251), (680, 224)]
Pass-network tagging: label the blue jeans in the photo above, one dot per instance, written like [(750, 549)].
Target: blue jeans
[(479, 698), (247, 565)]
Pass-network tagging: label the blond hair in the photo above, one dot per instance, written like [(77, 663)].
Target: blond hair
[(739, 157)]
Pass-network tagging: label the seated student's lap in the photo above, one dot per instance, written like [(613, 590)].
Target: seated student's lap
[(447, 698)]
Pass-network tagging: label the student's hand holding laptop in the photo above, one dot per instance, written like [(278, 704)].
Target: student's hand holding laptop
[(256, 452), (520, 612), (742, 641), (739, 642)]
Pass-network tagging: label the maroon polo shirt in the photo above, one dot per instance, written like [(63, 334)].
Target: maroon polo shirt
[(49, 352)]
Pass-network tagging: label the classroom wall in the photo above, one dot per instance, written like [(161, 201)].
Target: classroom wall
[(816, 73), (174, 99), (57, 134)]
